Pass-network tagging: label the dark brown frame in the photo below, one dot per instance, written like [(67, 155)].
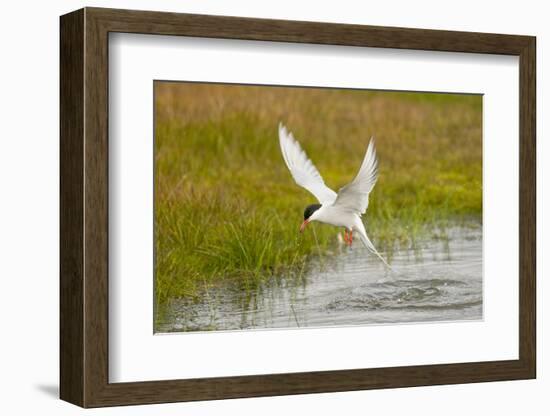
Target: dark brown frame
[(84, 207)]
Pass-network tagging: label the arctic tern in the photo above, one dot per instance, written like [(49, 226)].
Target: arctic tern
[(342, 209)]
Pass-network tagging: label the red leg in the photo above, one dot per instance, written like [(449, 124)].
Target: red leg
[(350, 237)]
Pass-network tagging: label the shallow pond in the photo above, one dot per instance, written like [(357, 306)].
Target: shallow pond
[(439, 280)]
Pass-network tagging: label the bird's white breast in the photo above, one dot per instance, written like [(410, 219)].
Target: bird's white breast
[(335, 216)]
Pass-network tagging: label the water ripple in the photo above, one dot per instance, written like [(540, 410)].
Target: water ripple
[(440, 282)]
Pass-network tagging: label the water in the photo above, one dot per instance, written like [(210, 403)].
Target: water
[(439, 280)]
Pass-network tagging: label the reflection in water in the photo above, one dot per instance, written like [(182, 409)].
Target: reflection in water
[(440, 281)]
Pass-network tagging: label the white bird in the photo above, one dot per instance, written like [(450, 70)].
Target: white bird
[(342, 209)]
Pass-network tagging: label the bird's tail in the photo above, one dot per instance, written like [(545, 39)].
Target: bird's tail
[(368, 244)]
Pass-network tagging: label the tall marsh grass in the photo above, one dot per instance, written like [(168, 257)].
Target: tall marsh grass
[(226, 206)]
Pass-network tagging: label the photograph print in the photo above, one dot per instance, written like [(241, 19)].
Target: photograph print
[(291, 207)]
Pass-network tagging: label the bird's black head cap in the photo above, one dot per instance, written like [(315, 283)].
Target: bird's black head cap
[(310, 209)]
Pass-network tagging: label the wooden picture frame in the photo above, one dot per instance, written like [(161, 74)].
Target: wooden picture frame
[(84, 207)]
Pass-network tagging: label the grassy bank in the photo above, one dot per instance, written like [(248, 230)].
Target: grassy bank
[(226, 206)]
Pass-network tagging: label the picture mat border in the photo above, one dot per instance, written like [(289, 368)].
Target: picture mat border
[(84, 219), (367, 346)]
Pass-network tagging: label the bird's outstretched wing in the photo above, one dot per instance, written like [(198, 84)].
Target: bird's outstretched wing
[(302, 169), (354, 196)]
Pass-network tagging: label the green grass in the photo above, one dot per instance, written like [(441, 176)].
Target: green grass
[(226, 206)]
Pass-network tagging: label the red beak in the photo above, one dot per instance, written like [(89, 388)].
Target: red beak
[(303, 226)]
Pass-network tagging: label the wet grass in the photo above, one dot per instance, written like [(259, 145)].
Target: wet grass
[(226, 206)]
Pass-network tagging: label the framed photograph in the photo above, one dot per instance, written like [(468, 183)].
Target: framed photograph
[(254, 207)]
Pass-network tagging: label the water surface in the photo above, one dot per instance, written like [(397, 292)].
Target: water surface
[(439, 280)]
